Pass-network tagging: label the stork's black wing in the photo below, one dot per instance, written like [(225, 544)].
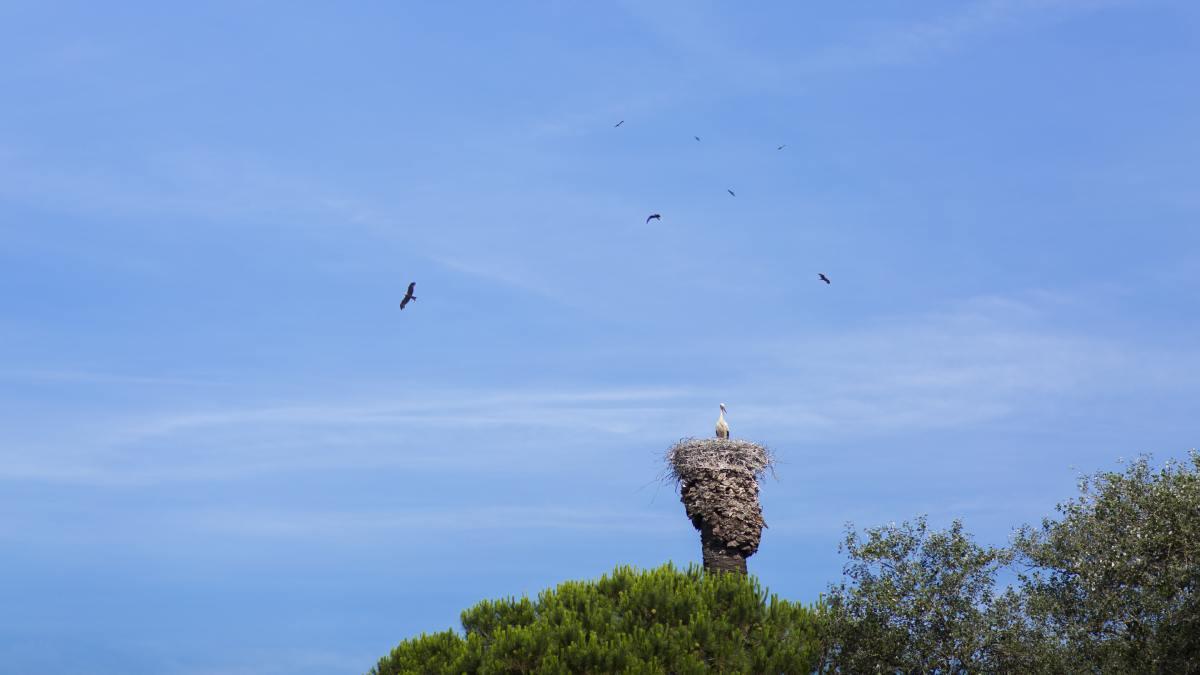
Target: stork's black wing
[(409, 295)]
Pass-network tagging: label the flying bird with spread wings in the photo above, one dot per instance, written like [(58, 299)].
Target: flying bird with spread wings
[(618, 124), (653, 216), (722, 425), (731, 192), (824, 278), (697, 138), (782, 146), (409, 295)]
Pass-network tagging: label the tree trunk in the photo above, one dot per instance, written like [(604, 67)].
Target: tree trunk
[(717, 556), (719, 491)]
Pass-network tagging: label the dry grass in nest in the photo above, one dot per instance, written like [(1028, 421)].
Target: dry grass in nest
[(693, 456)]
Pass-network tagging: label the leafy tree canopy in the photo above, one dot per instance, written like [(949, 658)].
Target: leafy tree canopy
[(1111, 586), (914, 601), (1117, 577)]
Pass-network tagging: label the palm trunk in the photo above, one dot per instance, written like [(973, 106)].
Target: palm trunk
[(718, 480)]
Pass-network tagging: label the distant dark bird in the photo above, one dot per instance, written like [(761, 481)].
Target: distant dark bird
[(618, 124), (697, 138), (653, 216), (782, 146), (731, 192), (409, 295), (824, 278)]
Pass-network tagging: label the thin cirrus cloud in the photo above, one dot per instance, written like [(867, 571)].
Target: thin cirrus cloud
[(492, 518), (248, 190), (906, 43), (196, 183), (439, 429), (507, 272), (91, 377), (986, 361), (695, 31)]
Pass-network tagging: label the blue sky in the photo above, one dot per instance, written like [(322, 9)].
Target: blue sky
[(223, 449)]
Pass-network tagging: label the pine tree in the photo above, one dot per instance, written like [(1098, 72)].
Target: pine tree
[(650, 622)]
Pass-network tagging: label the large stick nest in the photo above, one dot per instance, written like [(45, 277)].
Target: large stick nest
[(691, 458), (718, 485)]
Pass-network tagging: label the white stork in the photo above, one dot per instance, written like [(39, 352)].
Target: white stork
[(722, 426)]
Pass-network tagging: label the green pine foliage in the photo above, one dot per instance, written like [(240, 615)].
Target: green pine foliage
[(648, 622)]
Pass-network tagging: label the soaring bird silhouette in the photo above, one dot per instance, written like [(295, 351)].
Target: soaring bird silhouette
[(824, 278), (409, 295), (697, 138), (722, 425), (618, 124), (653, 216), (731, 192), (782, 146)]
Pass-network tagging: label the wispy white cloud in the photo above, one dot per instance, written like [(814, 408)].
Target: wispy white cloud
[(505, 272), (96, 377), (253, 193), (195, 183), (492, 429), (697, 32), (554, 408), (985, 361), (602, 114), (357, 524), (909, 42)]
